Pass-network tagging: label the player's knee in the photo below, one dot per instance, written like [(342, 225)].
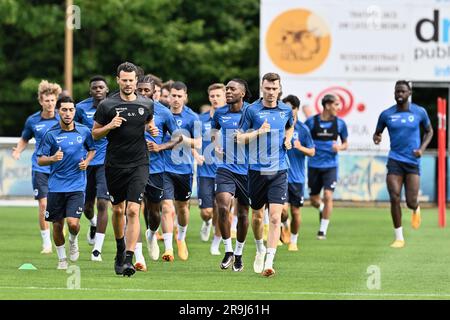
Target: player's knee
[(73, 226), (394, 196), (118, 211), (102, 205), (275, 219), (133, 212), (412, 203)]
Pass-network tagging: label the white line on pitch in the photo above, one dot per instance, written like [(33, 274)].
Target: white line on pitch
[(299, 293)]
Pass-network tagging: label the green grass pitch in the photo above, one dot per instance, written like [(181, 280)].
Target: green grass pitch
[(336, 268)]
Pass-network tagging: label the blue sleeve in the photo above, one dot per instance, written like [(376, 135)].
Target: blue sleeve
[(343, 133), (45, 147), (246, 121), (28, 132), (425, 120), (89, 143), (381, 124), (309, 123), (215, 121), (78, 115), (195, 127), (290, 121), (307, 140), (170, 124)]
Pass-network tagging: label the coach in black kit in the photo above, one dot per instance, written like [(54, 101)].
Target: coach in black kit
[(122, 118)]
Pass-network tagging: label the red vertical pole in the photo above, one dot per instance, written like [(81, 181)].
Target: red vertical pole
[(442, 150)]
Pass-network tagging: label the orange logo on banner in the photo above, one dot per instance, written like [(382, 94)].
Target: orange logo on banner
[(298, 41)]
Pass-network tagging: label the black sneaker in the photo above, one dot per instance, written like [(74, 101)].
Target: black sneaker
[(118, 263), (227, 260), (321, 236), (238, 265), (91, 235), (128, 269)]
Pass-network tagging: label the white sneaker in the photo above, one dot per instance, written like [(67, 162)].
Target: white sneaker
[(74, 253), (97, 257), (62, 264), (214, 251), (258, 265), (205, 231), (46, 250), (152, 246)]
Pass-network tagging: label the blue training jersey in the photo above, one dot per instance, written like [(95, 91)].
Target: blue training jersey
[(296, 171), (404, 131), (267, 153), (209, 167), (235, 157), (85, 111), (325, 156), (165, 122), (65, 175), (36, 126), (180, 159)]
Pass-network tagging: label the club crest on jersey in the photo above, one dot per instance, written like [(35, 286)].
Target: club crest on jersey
[(282, 114), (79, 139), (141, 111), (179, 122), (411, 118)]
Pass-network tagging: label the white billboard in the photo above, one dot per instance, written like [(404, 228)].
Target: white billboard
[(356, 39), (355, 49)]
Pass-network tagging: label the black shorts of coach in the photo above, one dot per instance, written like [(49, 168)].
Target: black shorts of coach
[(96, 186), (233, 183), (319, 178), (267, 188), (154, 190), (177, 186), (400, 168), (62, 205), (40, 184), (126, 184)]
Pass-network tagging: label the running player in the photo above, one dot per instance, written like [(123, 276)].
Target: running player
[(178, 172), (67, 148), (269, 126), (154, 190), (403, 121), (325, 129), (206, 169), (96, 180), (231, 178), (165, 93), (302, 146), (36, 126), (122, 118)]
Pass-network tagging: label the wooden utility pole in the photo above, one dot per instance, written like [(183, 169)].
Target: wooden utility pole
[(68, 49)]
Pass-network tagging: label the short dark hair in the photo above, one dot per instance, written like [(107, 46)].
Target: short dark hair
[(293, 100), (328, 98), (167, 85), (271, 77), (156, 80), (127, 67), (64, 99), (244, 83), (403, 82), (147, 79), (178, 85), (97, 78)]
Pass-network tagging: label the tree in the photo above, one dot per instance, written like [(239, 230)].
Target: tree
[(197, 42)]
